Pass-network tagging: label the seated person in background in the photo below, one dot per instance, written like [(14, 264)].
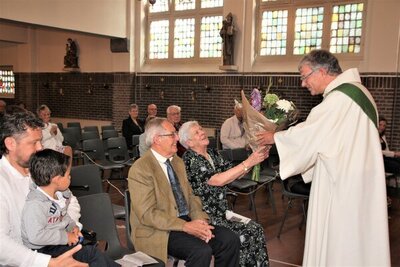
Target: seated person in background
[(46, 226), (143, 147), (20, 135), (232, 131), (132, 125), (209, 173), (391, 159), (52, 137), (151, 112), (167, 218), (174, 117)]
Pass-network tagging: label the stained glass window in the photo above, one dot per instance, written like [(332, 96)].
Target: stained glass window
[(160, 6), (210, 40), (274, 32), (211, 3), (297, 27), (159, 39), (7, 82), (189, 27), (346, 28), (185, 4), (308, 30), (184, 38)]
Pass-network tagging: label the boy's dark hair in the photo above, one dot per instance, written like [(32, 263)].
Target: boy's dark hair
[(46, 164), (16, 124)]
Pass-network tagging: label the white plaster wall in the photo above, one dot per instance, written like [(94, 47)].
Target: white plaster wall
[(104, 17)]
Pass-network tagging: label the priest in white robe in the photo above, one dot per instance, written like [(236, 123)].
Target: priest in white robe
[(338, 149)]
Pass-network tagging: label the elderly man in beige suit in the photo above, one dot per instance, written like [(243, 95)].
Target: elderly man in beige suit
[(166, 217)]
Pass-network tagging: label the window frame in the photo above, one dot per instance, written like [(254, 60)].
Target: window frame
[(171, 15), (291, 6)]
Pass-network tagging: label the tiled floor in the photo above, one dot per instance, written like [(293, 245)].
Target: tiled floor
[(288, 250)]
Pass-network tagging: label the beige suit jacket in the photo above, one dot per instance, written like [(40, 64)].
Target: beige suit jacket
[(153, 208)]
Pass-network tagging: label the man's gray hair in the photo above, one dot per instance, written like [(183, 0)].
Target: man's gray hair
[(153, 128), (170, 108), (321, 59), (42, 107), (184, 132), (133, 106)]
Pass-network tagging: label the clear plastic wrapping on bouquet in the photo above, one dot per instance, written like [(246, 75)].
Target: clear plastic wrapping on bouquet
[(254, 121)]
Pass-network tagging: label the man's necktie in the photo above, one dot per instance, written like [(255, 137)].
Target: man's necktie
[(177, 190)]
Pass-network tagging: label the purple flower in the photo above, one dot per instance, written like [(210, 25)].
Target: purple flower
[(256, 99)]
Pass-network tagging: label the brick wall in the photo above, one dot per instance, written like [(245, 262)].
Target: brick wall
[(206, 97)]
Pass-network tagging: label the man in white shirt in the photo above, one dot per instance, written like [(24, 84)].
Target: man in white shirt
[(20, 137), (232, 131)]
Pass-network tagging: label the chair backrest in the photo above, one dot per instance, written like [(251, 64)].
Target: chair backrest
[(108, 134), (226, 154), (97, 215), (94, 150), (117, 149), (286, 190), (91, 129), (212, 142), (127, 204), (74, 124), (90, 135), (135, 139), (60, 126), (107, 127), (72, 137), (86, 180), (238, 155)]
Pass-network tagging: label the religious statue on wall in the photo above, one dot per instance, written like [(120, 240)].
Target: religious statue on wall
[(71, 57), (227, 33)]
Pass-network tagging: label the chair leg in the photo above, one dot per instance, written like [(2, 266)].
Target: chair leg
[(284, 217), (271, 198), (253, 204)]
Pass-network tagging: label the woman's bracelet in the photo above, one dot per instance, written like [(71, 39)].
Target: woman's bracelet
[(245, 169)]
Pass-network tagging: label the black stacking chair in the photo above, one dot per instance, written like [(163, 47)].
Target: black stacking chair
[(107, 127), (94, 154), (91, 129), (128, 229), (86, 180), (74, 124), (60, 126), (291, 196), (244, 185), (90, 135), (118, 151), (97, 215)]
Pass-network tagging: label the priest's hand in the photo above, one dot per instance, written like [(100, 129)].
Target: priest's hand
[(67, 260), (265, 138)]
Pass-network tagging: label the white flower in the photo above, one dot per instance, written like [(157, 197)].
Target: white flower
[(203, 169), (284, 105), (273, 120)]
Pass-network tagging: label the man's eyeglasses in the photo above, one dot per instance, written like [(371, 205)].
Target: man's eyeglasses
[(303, 78), (173, 134)]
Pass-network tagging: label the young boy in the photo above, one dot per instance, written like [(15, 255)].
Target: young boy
[(46, 226)]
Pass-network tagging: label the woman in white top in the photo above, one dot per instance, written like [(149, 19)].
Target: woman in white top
[(52, 137)]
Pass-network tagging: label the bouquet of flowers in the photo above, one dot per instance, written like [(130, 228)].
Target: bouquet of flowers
[(277, 115)]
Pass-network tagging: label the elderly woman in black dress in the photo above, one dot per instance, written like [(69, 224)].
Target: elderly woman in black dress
[(209, 173)]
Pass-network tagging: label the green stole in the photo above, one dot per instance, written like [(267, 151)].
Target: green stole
[(360, 98)]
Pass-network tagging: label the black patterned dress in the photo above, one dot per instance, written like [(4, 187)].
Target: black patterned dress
[(253, 250)]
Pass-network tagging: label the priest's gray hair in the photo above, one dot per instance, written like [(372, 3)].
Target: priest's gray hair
[(184, 132), (154, 127), (321, 59)]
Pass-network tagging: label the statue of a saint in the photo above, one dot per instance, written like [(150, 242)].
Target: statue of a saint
[(227, 33), (71, 57)]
